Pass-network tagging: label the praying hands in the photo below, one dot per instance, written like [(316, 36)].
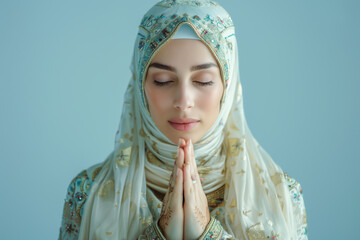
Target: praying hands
[(185, 213)]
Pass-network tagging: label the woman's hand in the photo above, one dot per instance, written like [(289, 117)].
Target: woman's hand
[(172, 214), (196, 210)]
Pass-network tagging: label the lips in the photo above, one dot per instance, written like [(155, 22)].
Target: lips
[(183, 124)]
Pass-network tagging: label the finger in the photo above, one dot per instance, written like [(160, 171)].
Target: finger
[(177, 195), (180, 158), (188, 185), (191, 159), (182, 142), (192, 155)]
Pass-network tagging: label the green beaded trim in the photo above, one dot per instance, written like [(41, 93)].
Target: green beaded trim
[(153, 232), (213, 230)]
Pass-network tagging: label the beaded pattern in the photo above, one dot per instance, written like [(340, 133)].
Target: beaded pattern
[(195, 3), (78, 190)]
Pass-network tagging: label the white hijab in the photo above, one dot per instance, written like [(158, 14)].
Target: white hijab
[(255, 196)]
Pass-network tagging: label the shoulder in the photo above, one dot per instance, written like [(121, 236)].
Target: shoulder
[(80, 186), (294, 187), (76, 195)]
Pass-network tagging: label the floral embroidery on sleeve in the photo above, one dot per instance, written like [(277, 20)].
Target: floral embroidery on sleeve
[(77, 192)]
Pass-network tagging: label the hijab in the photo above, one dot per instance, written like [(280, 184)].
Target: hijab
[(228, 155)]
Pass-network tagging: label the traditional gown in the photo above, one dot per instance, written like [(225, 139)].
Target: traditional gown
[(249, 195)]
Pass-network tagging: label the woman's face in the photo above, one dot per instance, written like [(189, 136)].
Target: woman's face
[(183, 87)]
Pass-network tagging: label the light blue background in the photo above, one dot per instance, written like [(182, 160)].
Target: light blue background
[(64, 66)]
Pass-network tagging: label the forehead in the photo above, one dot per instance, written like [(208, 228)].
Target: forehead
[(184, 52)]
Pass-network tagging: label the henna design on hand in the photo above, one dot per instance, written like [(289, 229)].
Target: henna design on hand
[(165, 219), (200, 218)]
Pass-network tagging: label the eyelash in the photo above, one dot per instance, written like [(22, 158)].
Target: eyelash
[(157, 83)]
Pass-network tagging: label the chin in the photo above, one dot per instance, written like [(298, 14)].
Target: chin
[(175, 139)]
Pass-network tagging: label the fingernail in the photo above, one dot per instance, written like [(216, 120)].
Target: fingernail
[(177, 171)]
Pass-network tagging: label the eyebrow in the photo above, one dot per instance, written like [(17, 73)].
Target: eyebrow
[(193, 68)]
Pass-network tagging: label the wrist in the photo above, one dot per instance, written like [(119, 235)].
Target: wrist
[(213, 230), (159, 231)]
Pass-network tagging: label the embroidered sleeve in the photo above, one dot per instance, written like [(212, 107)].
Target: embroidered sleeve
[(296, 196), (77, 192), (153, 232), (213, 230)]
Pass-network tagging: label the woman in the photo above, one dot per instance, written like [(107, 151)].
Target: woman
[(185, 164)]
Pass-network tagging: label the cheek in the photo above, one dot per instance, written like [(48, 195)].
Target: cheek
[(157, 101), (210, 101)]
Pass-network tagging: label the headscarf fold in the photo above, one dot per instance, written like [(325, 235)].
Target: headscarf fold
[(256, 201)]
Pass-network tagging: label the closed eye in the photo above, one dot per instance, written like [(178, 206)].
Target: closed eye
[(205, 83), (160, 83)]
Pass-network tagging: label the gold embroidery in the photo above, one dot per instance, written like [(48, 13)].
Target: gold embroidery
[(126, 135), (262, 180), (95, 173), (106, 187), (146, 220), (277, 178), (155, 147), (153, 160), (256, 232), (231, 215), (245, 212), (123, 157), (234, 146), (108, 233), (258, 168), (233, 127), (233, 203), (142, 133), (240, 172), (205, 171)]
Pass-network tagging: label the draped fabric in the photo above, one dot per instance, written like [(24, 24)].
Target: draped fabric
[(256, 194)]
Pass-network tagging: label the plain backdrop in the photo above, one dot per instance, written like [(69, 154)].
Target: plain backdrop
[(64, 67)]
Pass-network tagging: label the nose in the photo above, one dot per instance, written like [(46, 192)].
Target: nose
[(184, 98)]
